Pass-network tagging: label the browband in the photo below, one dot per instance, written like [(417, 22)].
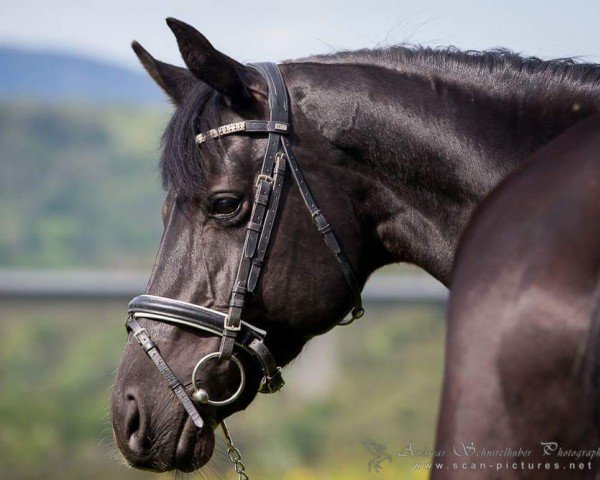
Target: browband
[(250, 126)]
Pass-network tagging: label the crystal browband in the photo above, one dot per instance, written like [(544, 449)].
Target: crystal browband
[(250, 126)]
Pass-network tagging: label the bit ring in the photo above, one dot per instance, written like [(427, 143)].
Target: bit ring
[(236, 394)]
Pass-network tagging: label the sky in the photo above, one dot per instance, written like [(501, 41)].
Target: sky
[(278, 30)]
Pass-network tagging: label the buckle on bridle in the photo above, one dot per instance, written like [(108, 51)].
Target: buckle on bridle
[(271, 384), (232, 328), (260, 177), (141, 331)]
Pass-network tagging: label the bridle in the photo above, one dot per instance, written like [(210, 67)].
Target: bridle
[(230, 327)]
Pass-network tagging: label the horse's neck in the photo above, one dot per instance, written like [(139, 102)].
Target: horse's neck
[(432, 147)]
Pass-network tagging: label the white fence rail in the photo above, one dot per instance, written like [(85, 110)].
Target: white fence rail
[(65, 285)]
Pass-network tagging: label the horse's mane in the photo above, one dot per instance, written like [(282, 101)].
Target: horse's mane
[(464, 62), (181, 164)]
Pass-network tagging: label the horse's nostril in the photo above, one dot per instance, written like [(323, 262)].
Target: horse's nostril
[(137, 437)]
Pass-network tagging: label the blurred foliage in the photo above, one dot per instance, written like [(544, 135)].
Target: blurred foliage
[(57, 362), (78, 185)]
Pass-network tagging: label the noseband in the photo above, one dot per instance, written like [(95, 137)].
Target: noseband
[(230, 327)]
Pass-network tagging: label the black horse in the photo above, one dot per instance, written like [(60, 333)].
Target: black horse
[(398, 145), (522, 353)]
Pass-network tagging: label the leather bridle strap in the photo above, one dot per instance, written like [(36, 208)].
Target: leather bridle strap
[(326, 230), (258, 259), (279, 111), (141, 335), (176, 312), (267, 194), (263, 196), (276, 85)]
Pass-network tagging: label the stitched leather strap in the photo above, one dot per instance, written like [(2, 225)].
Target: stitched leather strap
[(141, 335), (272, 380), (278, 106), (278, 101), (183, 313), (266, 203), (325, 229), (263, 243)]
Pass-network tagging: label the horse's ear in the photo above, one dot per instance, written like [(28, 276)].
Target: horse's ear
[(241, 85), (175, 81)]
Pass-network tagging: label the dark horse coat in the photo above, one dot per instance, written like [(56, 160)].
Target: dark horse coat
[(523, 344)]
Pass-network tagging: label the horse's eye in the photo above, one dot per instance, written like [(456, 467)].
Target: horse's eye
[(223, 206)]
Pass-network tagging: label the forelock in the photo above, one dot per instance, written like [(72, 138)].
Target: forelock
[(181, 164)]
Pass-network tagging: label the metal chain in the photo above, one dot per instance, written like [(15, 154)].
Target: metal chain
[(234, 454)]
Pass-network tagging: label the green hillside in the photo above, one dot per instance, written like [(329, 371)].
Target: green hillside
[(78, 185)]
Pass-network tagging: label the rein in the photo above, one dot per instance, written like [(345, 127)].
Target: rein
[(233, 331)]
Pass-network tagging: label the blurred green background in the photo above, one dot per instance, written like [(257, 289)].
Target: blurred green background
[(57, 362), (75, 180)]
